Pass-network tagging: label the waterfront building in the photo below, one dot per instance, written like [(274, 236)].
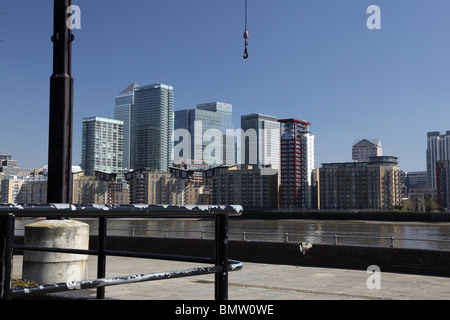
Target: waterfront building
[(124, 102), (10, 189), (19, 189), (8, 166), (149, 186), (245, 185), (265, 150), (438, 149), (88, 189), (373, 184), (102, 188), (34, 190), (413, 180), (443, 184), (5, 156), (102, 145), (297, 164), (363, 149)]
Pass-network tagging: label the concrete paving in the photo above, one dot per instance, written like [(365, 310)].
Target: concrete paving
[(261, 282)]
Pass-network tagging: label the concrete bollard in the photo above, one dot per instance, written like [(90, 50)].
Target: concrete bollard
[(53, 267)]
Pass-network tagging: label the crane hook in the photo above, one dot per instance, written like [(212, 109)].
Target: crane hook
[(246, 44)]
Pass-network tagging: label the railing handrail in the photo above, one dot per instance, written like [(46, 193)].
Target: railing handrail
[(9, 212), (287, 235), (117, 211)]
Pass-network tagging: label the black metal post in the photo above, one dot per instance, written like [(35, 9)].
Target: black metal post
[(221, 256), (61, 109), (6, 255), (101, 258)]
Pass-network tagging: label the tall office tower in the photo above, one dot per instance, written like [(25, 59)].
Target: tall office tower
[(225, 110), (362, 150), (297, 164), (152, 127), (102, 145), (438, 149), (197, 122), (265, 151), (122, 111)]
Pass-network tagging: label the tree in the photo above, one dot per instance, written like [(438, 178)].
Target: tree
[(432, 205)]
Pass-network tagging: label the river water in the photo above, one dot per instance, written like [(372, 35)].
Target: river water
[(421, 235)]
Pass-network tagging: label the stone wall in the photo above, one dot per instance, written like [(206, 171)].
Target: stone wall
[(413, 261)]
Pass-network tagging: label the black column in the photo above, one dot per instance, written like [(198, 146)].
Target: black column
[(61, 109)]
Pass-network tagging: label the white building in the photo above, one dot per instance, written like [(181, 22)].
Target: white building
[(102, 145)]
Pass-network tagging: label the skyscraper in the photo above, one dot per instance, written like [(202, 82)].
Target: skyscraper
[(197, 122), (266, 150), (123, 106), (208, 118), (102, 145), (152, 127), (438, 149), (297, 164), (225, 110)]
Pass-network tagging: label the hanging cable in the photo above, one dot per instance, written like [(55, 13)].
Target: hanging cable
[(245, 33)]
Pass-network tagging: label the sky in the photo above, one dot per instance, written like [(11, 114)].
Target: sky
[(310, 60)]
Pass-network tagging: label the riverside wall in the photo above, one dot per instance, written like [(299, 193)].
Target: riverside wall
[(388, 259), (367, 215)]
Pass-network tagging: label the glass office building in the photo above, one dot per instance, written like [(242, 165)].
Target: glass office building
[(225, 110), (266, 150), (102, 145), (196, 122), (122, 111), (152, 127)]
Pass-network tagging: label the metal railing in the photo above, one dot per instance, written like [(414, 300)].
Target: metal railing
[(276, 236), (222, 265)]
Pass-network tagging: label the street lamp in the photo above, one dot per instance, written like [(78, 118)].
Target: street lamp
[(61, 108)]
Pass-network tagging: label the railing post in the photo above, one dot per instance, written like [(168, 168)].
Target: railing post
[(6, 255), (101, 262), (221, 256)]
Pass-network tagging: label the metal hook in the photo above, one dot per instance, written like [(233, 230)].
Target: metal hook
[(246, 43)]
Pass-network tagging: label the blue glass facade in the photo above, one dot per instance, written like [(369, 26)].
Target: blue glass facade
[(152, 127)]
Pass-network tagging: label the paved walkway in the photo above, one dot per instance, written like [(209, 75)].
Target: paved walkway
[(260, 282)]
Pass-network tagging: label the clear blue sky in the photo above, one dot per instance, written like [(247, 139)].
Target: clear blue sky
[(310, 60)]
